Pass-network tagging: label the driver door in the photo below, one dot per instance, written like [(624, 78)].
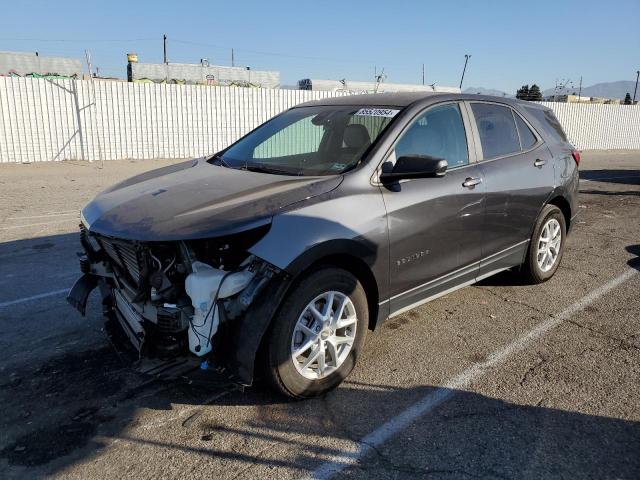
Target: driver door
[(435, 224)]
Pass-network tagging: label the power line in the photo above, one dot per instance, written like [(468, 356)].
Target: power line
[(69, 40), (276, 54)]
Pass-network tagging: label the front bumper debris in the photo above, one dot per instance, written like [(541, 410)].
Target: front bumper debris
[(79, 293)]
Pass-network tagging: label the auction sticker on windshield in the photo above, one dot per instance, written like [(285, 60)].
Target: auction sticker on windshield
[(378, 112)]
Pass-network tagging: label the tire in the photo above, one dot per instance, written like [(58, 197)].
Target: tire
[(295, 326), (532, 270)]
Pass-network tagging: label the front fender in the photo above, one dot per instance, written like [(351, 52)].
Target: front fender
[(354, 225), (334, 224)]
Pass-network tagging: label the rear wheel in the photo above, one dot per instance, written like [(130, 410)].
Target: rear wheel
[(546, 246), (317, 334)]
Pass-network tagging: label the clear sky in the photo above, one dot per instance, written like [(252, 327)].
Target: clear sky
[(511, 43)]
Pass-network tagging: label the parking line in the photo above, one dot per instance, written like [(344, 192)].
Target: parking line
[(337, 463), (33, 297), (64, 220), (46, 215)]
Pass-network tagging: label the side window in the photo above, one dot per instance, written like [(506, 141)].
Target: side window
[(527, 138), (439, 132), (497, 129)]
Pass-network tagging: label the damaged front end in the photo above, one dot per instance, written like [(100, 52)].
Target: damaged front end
[(202, 299)]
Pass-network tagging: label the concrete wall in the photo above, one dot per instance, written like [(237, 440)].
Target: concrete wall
[(354, 87), (27, 63), (50, 120)]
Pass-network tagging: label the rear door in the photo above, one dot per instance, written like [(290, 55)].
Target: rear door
[(435, 224), (518, 172)]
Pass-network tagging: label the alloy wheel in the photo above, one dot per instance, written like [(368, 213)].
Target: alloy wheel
[(549, 244), (324, 335)]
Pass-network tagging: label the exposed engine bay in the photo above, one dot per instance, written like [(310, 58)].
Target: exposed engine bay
[(173, 298)]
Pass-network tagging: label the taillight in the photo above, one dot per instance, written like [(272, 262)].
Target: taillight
[(576, 156)]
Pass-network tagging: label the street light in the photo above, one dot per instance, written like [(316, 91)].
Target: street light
[(466, 59), (635, 89)]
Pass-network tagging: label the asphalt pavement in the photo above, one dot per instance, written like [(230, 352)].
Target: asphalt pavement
[(497, 380)]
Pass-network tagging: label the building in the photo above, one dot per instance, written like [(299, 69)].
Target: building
[(580, 99), (350, 86), (200, 74), (32, 64)]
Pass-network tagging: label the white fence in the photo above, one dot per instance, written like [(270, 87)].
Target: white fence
[(598, 126), (49, 120)]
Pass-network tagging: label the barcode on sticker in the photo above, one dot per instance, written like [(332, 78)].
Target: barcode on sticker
[(377, 112)]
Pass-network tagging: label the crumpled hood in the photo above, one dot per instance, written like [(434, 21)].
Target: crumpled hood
[(195, 199)]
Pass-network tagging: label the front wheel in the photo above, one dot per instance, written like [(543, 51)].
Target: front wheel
[(316, 336), (546, 246)]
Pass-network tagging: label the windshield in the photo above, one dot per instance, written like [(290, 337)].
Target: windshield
[(319, 140)]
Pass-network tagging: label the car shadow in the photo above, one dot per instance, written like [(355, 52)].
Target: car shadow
[(634, 250), (507, 278), (89, 407), (609, 176), (626, 177), (82, 402), (612, 193)]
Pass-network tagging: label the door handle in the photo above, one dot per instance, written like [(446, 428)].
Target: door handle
[(539, 163), (471, 182)]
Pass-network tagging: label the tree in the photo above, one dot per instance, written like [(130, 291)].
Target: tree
[(523, 92), (535, 95), (627, 99)]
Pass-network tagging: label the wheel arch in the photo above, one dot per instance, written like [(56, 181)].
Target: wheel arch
[(348, 255), (565, 207)]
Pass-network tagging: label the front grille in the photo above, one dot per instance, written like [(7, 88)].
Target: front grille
[(125, 255), (129, 318)]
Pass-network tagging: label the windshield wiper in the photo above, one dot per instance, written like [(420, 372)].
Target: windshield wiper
[(263, 169), (221, 161)]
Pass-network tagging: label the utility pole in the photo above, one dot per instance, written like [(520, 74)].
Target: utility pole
[(423, 74), (379, 79), (164, 47), (580, 89), (87, 56), (466, 59), (636, 89), (233, 61), (93, 103)]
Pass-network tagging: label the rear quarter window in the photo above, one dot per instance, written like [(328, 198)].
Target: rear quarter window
[(527, 138), (549, 122)]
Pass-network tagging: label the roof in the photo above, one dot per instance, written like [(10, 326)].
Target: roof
[(405, 99)]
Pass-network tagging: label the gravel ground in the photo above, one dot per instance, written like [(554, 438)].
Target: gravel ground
[(506, 380)]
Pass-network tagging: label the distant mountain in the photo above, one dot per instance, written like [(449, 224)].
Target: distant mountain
[(607, 90), (486, 91)]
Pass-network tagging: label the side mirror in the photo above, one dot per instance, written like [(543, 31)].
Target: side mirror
[(415, 166)]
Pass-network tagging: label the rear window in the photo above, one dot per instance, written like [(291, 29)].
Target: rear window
[(549, 122), (497, 129)]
